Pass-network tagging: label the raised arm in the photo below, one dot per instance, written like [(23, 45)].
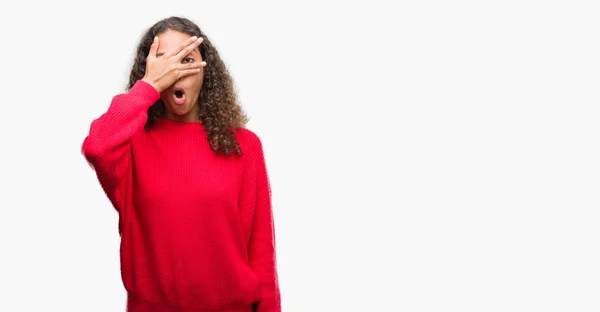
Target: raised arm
[(107, 145)]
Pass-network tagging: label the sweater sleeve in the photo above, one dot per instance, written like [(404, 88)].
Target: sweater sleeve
[(261, 252), (107, 145)]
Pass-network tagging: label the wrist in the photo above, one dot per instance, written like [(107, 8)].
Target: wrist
[(150, 82)]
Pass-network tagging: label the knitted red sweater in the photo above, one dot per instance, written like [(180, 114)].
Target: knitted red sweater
[(196, 228)]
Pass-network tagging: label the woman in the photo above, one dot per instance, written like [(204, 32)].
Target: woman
[(188, 180)]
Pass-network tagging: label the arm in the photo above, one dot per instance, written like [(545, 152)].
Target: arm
[(261, 251), (106, 147)]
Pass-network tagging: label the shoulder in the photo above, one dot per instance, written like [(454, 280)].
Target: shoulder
[(246, 136), (250, 142)]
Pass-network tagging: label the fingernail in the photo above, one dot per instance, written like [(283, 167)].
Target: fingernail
[(155, 38), (194, 38)]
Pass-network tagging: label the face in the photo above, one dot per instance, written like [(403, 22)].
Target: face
[(181, 98)]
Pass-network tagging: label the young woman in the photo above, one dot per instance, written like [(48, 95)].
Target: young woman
[(188, 181)]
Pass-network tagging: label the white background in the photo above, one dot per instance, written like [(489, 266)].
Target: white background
[(423, 155)]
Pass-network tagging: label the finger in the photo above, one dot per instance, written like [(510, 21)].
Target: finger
[(181, 46), (188, 72), (191, 66), (189, 48), (183, 70), (153, 48)]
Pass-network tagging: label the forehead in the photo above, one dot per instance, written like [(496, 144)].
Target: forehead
[(170, 40)]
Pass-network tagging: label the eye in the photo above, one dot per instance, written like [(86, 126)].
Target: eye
[(188, 60)]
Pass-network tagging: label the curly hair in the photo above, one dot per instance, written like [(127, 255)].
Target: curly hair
[(218, 107)]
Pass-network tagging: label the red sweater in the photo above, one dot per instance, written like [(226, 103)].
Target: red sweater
[(196, 228)]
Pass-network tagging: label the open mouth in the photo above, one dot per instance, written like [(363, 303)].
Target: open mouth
[(178, 96)]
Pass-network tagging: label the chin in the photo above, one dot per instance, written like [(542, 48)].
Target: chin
[(178, 110), (185, 112)]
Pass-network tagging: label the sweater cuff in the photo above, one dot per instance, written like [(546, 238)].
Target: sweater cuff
[(145, 90)]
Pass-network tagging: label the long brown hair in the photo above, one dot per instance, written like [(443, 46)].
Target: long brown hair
[(218, 108)]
